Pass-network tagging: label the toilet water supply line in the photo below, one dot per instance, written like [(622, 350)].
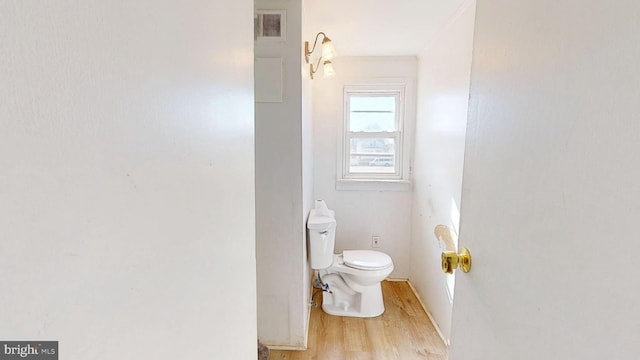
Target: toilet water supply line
[(323, 287)]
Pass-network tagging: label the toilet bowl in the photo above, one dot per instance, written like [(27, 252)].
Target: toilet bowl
[(351, 279)]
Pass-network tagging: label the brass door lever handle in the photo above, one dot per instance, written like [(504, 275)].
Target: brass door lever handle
[(452, 260)]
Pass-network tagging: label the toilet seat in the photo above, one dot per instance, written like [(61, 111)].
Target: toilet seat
[(366, 259)]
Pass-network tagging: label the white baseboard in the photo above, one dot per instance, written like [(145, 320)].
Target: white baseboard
[(309, 300), (435, 324), (306, 331), (286, 347)]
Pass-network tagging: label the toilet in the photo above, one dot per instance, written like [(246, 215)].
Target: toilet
[(351, 280)]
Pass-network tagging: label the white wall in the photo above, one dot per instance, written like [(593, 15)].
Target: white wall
[(443, 92), (360, 214), (283, 193), (126, 189)]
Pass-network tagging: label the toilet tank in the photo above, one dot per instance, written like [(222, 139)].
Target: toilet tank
[(322, 238)]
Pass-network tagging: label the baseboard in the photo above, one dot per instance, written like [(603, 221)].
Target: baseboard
[(291, 347), (286, 347), (309, 300), (435, 324), (306, 330)]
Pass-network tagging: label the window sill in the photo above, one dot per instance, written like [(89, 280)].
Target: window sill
[(373, 185)]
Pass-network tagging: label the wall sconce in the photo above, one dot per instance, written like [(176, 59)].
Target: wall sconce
[(328, 53), (327, 66)]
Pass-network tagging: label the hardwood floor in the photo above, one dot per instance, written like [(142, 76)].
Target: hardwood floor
[(403, 332)]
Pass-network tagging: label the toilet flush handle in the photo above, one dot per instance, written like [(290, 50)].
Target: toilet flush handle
[(326, 232)]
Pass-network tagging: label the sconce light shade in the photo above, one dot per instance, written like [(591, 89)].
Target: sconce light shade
[(328, 70), (328, 51)]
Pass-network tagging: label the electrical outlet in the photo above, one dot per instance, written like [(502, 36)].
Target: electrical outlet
[(375, 241)]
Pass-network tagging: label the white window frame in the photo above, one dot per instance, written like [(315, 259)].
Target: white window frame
[(399, 180)]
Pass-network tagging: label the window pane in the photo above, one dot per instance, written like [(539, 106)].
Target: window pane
[(372, 103), (372, 113), (372, 155), (371, 121)]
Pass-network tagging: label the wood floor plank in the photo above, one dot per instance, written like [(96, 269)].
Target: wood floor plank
[(329, 343), (403, 332), (355, 334), (382, 344), (358, 355)]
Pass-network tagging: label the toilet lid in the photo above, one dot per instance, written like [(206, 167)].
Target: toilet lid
[(366, 259)]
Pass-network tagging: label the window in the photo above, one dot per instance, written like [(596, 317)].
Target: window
[(373, 146)]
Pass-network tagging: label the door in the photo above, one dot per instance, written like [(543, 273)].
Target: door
[(551, 189)]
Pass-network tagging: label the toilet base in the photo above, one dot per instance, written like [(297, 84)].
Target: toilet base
[(344, 301)]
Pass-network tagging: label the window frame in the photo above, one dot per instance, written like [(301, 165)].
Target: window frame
[(400, 178), (398, 93)]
